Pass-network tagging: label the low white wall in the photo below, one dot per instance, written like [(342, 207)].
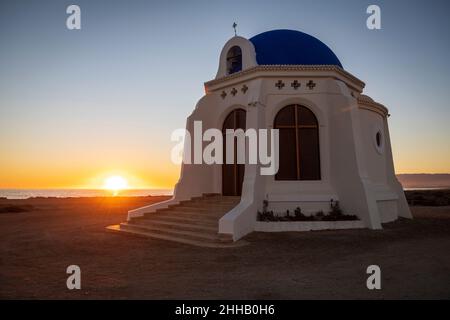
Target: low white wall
[(240, 220), (139, 212), (294, 226)]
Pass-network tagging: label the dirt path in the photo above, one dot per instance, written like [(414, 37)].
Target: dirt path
[(37, 246)]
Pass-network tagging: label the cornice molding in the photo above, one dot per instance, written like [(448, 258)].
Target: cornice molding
[(365, 102), (286, 68)]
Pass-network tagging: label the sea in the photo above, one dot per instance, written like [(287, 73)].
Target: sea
[(77, 193)]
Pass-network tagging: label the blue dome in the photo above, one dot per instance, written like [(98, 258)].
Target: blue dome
[(292, 47)]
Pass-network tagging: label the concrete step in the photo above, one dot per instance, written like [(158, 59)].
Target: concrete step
[(194, 222), (191, 214), (207, 203), (199, 205), (210, 195), (182, 219), (205, 197), (198, 208), (195, 235), (172, 237), (213, 199), (176, 225)]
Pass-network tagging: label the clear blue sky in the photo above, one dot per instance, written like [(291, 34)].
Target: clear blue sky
[(116, 89)]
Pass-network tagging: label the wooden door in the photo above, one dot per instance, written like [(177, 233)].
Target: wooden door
[(233, 174)]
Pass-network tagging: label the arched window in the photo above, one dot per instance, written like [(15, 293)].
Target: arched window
[(299, 144), (234, 60)]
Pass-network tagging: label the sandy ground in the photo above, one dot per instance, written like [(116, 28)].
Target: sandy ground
[(37, 246)]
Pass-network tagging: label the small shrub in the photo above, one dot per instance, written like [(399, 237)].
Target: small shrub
[(265, 205), (266, 216), (271, 216), (260, 216), (299, 216), (319, 215), (335, 208), (335, 214)]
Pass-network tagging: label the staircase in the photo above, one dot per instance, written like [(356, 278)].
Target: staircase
[(194, 222)]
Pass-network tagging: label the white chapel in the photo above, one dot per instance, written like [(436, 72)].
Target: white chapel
[(334, 146)]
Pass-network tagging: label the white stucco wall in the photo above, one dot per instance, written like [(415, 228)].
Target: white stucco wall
[(371, 122)]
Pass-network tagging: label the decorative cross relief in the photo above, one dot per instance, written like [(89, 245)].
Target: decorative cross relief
[(244, 89), (233, 91), (223, 94), (311, 85), (279, 84), (295, 84)]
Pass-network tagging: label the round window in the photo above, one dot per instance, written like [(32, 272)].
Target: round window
[(379, 141)]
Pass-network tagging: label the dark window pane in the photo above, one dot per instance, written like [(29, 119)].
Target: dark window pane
[(287, 155), (240, 119), (308, 159), (285, 116), (229, 122), (309, 154), (305, 117)]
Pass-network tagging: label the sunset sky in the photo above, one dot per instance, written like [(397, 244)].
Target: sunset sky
[(78, 106)]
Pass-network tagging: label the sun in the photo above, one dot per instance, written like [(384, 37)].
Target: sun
[(115, 184)]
